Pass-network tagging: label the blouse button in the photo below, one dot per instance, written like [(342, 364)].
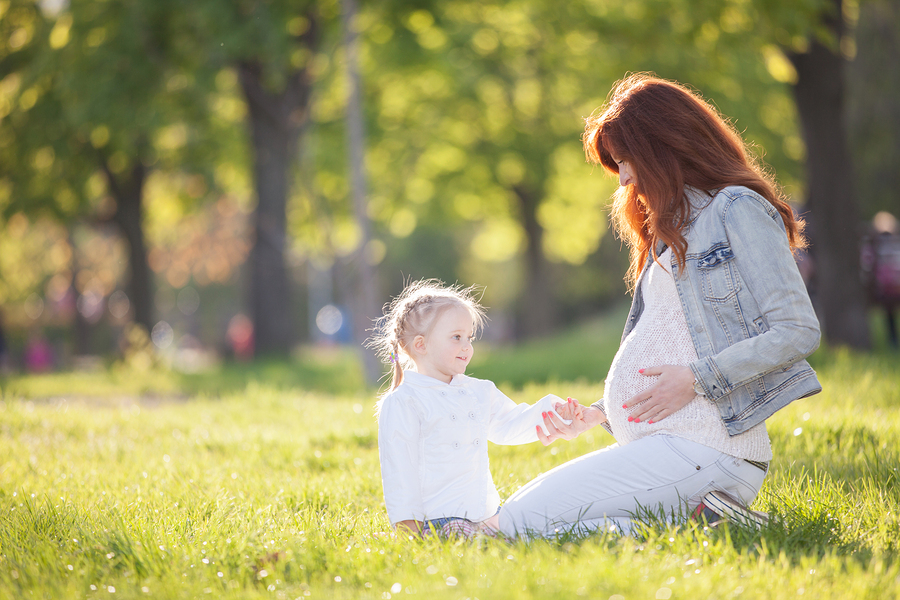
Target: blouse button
[(443, 393), (452, 417), (698, 328), (476, 441), (456, 444), (471, 414), (462, 392)]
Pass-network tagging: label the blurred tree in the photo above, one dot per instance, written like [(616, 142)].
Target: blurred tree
[(816, 39), (273, 46), (873, 90), (831, 198), (365, 308), (479, 121), (91, 103), (478, 127)]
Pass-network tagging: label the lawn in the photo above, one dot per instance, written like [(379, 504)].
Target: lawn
[(262, 481)]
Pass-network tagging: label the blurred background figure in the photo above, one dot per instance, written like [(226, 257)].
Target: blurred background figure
[(880, 262), (38, 353), (240, 337)]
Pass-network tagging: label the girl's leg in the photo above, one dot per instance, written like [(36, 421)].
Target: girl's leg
[(608, 487), (492, 522)]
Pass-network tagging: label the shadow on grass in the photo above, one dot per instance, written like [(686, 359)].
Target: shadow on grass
[(334, 371)]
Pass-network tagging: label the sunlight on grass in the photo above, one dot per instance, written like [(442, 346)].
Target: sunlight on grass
[(240, 488)]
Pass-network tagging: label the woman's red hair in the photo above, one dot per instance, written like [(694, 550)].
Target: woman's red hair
[(671, 138)]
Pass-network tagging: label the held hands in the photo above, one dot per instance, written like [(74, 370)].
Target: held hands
[(673, 390), (583, 418), (569, 410)]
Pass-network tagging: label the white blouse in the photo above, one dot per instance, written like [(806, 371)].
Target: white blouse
[(661, 337), (432, 442)]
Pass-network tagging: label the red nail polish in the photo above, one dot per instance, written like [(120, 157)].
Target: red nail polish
[(624, 406), (650, 422), (640, 370), (543, 414), (630, 419), (637, 420)]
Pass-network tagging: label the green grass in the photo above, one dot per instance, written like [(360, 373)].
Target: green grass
[(263, 482)]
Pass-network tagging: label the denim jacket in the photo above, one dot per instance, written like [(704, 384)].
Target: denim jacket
[(746, 306)]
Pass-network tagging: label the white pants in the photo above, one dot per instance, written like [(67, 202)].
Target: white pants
[(607, 488)]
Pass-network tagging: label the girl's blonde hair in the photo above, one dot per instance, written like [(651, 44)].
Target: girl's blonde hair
[(414, 313)]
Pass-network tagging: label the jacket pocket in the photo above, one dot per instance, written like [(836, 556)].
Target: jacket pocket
[(718, 273)]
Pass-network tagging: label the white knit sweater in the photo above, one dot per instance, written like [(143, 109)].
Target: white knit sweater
[(661, 337)]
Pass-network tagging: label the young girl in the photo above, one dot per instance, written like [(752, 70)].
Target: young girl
[(434, 423)]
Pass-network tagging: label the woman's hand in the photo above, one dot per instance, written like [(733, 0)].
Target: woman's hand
[(673, 390), (584, 419)]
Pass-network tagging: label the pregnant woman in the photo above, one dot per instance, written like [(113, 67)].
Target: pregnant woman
[(718, 331)]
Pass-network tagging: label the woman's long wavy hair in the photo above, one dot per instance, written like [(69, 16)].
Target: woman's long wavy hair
[(671, 138)]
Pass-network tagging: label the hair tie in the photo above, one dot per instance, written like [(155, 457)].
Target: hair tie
[(393, 357)]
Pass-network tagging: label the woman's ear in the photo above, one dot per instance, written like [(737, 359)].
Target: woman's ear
[(419, 344)]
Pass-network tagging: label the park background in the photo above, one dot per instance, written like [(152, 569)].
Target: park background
[(204, 205)]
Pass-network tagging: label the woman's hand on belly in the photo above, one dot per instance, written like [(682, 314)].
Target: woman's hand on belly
[(673, 390)]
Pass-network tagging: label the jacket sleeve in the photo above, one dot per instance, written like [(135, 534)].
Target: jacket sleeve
[(513, 423), (398, 450), (787, 328)]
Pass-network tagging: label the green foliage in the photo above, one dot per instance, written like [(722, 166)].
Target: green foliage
[(474, 113), (95, 87)]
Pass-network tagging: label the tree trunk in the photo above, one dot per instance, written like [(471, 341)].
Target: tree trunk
[(832, 204), (365, 305), (538, 312), (129, 217), (276, 120)]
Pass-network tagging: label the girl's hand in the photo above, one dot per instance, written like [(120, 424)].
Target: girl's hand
[(585, 418), (673, 390), (409, 527), (569, 410)]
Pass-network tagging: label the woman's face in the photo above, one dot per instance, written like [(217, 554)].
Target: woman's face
[(626, 175)]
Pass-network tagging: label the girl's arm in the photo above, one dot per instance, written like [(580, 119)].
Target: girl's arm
[(513, 423)]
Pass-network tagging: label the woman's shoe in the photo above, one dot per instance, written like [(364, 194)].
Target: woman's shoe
[(719, 506)]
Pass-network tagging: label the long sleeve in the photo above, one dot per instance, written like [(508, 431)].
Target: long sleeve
[(398, 450), (793, 329), (513, 423)]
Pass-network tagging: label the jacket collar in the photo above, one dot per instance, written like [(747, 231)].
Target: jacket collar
[(420, 380), (698, 200)]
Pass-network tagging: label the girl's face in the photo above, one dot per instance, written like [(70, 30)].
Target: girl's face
[(447, 349), (626, 175)]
